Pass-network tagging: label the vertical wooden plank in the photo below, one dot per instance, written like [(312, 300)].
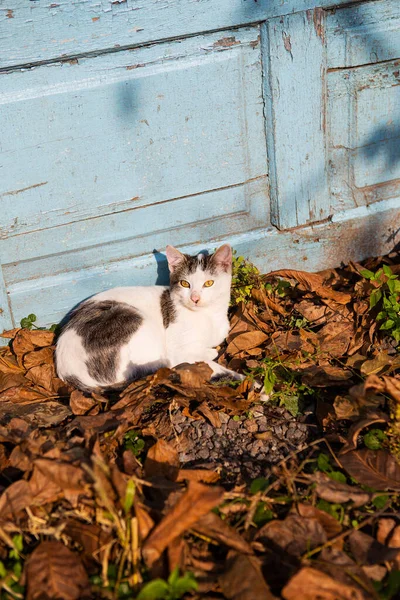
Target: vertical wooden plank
[(6, 321), (294, 59)]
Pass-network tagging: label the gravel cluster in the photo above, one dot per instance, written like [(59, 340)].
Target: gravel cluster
[(244, 447)]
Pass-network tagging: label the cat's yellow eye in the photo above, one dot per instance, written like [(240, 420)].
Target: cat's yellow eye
[(209, 283), (184, 283)]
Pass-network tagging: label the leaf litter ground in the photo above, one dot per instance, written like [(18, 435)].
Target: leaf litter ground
[(179, 488)]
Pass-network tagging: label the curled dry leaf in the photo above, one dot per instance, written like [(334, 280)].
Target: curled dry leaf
[(337, 492), (331, 526), (12, 380), (38, 357), (246, 341), (309, 584), (212, 526), (162, 461), (195, 502), (43, 376), (314, 283), (194, 376), (53, 571), (375, 468), (204, 475), (14, 500), (368, 551), (81, 404), (243, 579), (356, 428), (294, 535)]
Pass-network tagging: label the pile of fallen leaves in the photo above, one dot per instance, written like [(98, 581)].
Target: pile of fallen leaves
[(97, 499)]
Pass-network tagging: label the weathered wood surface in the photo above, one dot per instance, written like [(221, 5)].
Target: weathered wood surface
[(357, 233), (280, 135), (40, 30), (294, 55)]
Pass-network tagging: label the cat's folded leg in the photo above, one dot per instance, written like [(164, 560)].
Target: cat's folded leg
[(220, 372)]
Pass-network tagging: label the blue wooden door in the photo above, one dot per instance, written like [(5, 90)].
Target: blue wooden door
[(127, 125)]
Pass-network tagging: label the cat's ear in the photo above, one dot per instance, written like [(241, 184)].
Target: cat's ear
[(174, 258), (223, 257)]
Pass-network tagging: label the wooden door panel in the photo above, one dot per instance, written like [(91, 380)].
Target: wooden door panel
[(109, 135), (127, 152)]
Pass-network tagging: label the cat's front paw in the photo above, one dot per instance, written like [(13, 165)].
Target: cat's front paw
[(210, 354)]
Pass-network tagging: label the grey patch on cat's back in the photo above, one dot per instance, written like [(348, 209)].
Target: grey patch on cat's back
[(168, 311), (77, 383), (104, 327)]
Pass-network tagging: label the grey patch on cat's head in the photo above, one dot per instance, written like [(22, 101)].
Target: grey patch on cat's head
[(104, 327), (182, 265), (168, 310)]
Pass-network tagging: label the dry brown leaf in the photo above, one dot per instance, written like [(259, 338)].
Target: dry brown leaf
[(91, 537), (212, 526), (378, 364), (313, 283), (243, 579), (21, 395), (331, 526), (53, 571), (246, 341), (195, 502), (10, 380), (375, 468), (8, 362), (385, 528), (15, 499), (204, 475), (335, 491), (334, 338), (162, 460), (70, 479), (43, 376), (81, 404), (10, 333), (38, 357), (194, 375), (310, 584), (295, 534), (367, 551), (327, 375)]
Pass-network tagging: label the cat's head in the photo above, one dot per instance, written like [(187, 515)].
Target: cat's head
[(202, 280)]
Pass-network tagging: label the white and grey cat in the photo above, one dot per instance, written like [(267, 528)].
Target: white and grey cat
[(124, 333)]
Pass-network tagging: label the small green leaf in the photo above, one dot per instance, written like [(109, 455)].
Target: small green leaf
[(3, 571), (259, 485), (25, 323), (374, 298), (129, 496), (269, 381), (367, 274), (374, 439), (236, 418), (380, 502), (387, 270), (337, 476), (291, 403), (186, 583), (324, 463), (32, 318), (262, 515), (387, 324), (154, 590)]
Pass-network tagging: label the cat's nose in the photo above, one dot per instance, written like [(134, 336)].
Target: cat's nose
[(194, 297)]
